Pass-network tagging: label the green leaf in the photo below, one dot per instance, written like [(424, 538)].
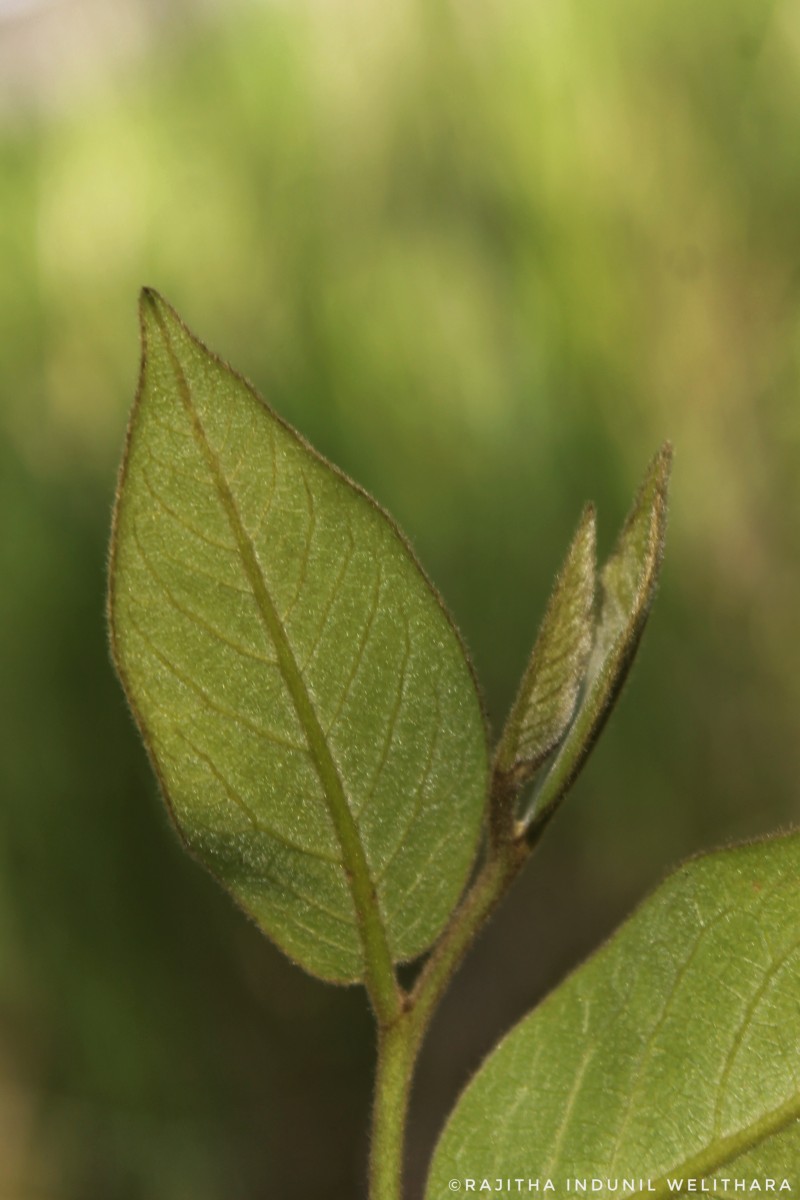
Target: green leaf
[(674, 1053), (627, 588), (304, 697), (550, 686)]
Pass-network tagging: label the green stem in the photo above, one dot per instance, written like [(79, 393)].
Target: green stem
[(490, 886), (399, 1043), (397, 1051)]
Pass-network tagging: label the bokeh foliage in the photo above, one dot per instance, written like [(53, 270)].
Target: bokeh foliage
[(486, 257)]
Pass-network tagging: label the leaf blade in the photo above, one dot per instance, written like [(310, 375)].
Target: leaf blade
[(672, 1052), (294, 608)]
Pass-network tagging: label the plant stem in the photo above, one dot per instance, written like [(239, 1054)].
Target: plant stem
[(399, 1043), (487, 891), (397, 1050)]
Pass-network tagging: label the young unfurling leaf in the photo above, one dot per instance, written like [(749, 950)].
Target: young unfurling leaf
[(627, 587)]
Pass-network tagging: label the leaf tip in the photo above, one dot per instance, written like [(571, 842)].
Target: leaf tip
[(654, 489), (156, 313), (586, 534), (661, 471), (640, 545), (149, 303)]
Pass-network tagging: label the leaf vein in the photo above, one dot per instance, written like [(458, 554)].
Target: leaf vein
[(195, 618), (391, 724), (326, 612), (228, 547), (214, 706), (747, 1020), (236, 798), (418, 793), (312, 523), (569, 1107), (636, 1083), (360, 652)]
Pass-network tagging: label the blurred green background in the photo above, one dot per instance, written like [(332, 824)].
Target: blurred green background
[(486, 257)]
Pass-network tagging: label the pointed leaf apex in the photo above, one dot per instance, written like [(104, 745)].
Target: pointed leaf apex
[(151, 308), (149, 303), (629, 576), (155, 312)]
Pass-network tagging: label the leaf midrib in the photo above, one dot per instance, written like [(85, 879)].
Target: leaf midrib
[(378, 967), (723, 1151)]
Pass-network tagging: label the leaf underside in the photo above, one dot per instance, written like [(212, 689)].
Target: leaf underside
[(674, 1053), (305, 699)]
